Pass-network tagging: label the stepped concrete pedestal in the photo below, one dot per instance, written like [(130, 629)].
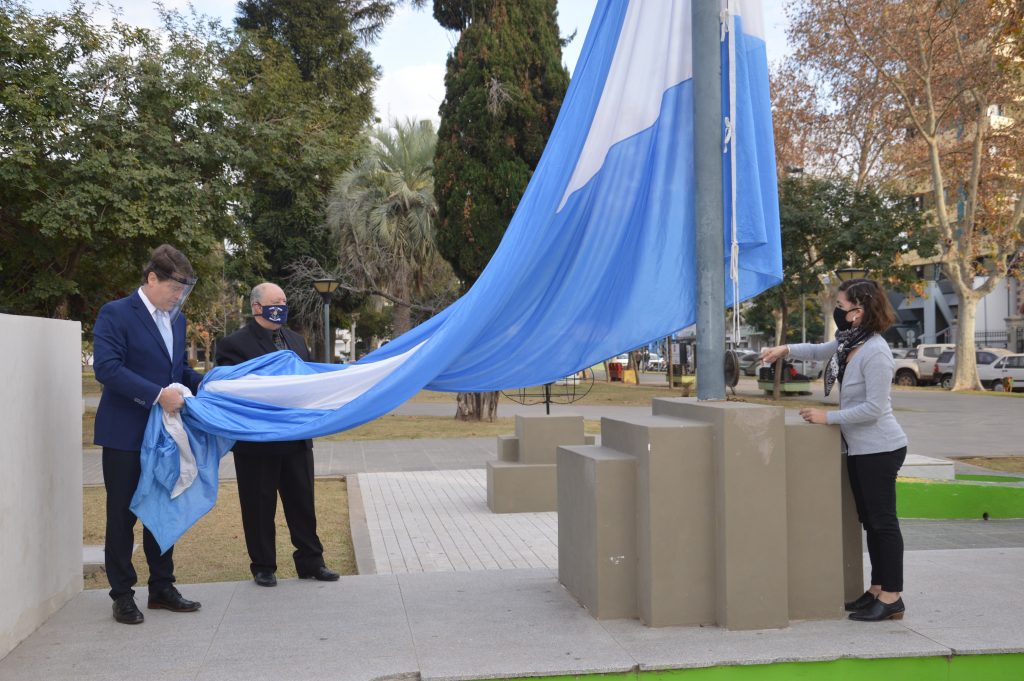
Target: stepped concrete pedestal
[(524, 478), (719, 513)]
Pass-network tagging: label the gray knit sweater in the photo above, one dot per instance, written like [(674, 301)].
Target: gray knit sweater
[(865, 396)]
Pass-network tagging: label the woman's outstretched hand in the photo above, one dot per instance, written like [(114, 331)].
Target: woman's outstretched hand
[(773, 354)]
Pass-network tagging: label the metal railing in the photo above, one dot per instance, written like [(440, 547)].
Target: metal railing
[(992, 339)]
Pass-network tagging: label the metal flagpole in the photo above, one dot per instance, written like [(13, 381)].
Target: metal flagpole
[(707, 147)]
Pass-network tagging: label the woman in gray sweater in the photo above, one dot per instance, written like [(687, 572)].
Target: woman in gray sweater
[(861, 362)]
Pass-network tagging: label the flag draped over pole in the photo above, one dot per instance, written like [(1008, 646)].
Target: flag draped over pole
[(599, 258)]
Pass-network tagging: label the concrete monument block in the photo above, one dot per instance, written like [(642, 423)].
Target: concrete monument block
[(521, 487), (41, 484), (814, 481), (540, 436), (523, 480), (597, 529), (751, 539), (674, 516), (508, 448)]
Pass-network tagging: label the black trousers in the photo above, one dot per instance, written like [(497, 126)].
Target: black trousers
[(121, 471), (873, 481), (263, 471)]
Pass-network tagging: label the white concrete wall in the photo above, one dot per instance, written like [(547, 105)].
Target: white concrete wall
[(40, 472)]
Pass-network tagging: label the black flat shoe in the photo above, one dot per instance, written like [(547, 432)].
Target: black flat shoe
[(878, 611), (169, 598), (125, 610), (864, 601), (321, 574), (265, 578)]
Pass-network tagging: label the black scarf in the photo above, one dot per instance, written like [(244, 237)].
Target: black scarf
[(848, 340)]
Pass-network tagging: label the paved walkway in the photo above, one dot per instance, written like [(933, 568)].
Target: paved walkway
[(438, 521), (493, 624)]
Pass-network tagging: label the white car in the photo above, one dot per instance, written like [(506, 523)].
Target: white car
[(983, 356), (1009, 366)]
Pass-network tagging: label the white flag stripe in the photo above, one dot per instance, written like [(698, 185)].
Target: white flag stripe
[(329, 390), (640, 74)]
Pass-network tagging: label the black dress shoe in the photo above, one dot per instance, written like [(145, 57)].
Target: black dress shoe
[(265, 578), (864, 601), (125, 610), (321, 574), (878, 611), (169, 598)]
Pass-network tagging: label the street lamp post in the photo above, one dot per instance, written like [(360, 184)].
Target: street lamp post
[(326, 287), (352, 337), (848, 273)]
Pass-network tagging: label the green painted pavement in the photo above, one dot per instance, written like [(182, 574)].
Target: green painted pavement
[(1008, 667), (938, 500)]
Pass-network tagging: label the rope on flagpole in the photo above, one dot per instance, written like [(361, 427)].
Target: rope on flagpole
[(729, 146)]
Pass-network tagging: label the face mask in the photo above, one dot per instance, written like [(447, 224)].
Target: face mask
[(278, 314), (839, 315)]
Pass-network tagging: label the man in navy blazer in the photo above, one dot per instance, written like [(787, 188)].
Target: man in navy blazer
[(139, 350)]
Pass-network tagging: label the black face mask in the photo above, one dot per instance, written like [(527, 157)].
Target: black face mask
[(839, 315)]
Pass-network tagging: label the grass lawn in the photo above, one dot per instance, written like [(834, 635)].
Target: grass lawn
[(214, 549), (88, 424), (1004, 464), (90, 386)]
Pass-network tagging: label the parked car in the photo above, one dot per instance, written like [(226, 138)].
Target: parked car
[(1007, 366), (917, 367), (748, 361), (943, 372), (622, 359)]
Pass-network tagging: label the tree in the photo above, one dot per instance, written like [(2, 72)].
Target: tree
[(111, 142), (504, 85), (953, 68), (824, 224), (384, 214), (215, 306), (304, 94)]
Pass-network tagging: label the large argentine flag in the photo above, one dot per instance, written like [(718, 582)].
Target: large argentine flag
[(599, 257)]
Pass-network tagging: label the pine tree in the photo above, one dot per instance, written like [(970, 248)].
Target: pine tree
[(503, 88)]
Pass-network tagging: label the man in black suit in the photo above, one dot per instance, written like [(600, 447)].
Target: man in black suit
[(139, 350), (265, 468)]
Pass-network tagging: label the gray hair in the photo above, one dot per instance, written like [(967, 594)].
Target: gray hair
[(256, 293)]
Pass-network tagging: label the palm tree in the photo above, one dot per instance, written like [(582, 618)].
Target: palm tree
[(384, 212)]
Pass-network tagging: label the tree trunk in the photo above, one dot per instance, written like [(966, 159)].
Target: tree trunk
[(477, 406), (207, 356), (965, 372), (401, 315), (828, 297), (780, 336)]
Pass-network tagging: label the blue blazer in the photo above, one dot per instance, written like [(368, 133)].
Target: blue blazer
[(130, 360)]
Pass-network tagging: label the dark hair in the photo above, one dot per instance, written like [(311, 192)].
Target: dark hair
[(868, 295), (167, 262)]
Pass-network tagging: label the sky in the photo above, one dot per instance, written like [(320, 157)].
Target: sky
[(413, 48)]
